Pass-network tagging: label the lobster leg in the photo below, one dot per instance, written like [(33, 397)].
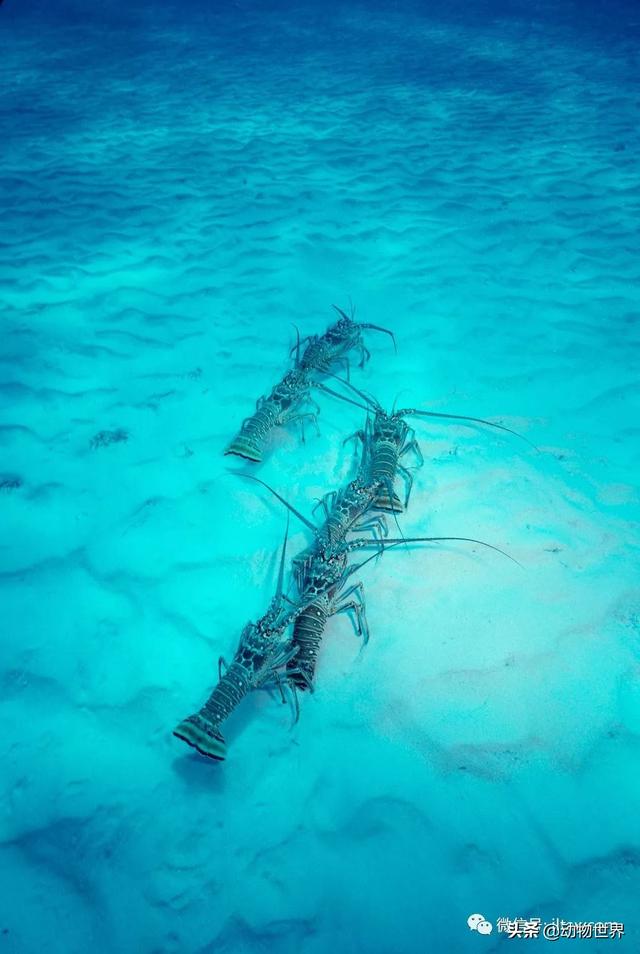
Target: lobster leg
[(279, 687), (356, 436), (330, 496), (296, 673), (357, 606), (375, 523), (314, 404), (296, 703), (300, 341), (386, 332), (408, 477), (283, 684), (347, 367), (279, 660), (415, 447), (290, 418), (298, 566)]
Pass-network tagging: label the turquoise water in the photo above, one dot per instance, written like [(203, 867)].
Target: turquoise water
[(181, 184)]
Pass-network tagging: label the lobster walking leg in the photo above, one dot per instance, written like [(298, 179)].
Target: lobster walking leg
[(415, 447), (306, 416), (377, 524), (307, 636), (408, 478), (357, 605), (326, 503)]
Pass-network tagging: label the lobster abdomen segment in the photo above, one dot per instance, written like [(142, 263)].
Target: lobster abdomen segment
[(307, 636), (384, 466)]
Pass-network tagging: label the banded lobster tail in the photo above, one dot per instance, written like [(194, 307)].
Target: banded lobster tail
[(253, 665), (263, 650), (321, 580)]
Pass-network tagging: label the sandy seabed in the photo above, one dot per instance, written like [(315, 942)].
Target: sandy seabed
[(179, 189)]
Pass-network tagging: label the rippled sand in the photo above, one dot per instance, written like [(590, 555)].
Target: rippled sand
[(181, 190)]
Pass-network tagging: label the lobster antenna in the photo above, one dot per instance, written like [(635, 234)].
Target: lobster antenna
[(373, 402), (275, 493), (341, 313), (300, 341), (392, 542), (281, 568), (358, 566), (341, 397), (473, 420), (395, 514), (407, 411), (297, 348), (393, 409), (386, 331), (366, 446)]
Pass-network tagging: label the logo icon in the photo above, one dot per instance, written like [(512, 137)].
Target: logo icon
[(478, 922)]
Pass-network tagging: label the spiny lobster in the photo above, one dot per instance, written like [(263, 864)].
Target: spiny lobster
[(263, 650), (335, 344), (283, 405)]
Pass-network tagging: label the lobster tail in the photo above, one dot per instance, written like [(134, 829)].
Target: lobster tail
[(200, 733), (202, 730), (242, 447), (250, 440), (388, 500)]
